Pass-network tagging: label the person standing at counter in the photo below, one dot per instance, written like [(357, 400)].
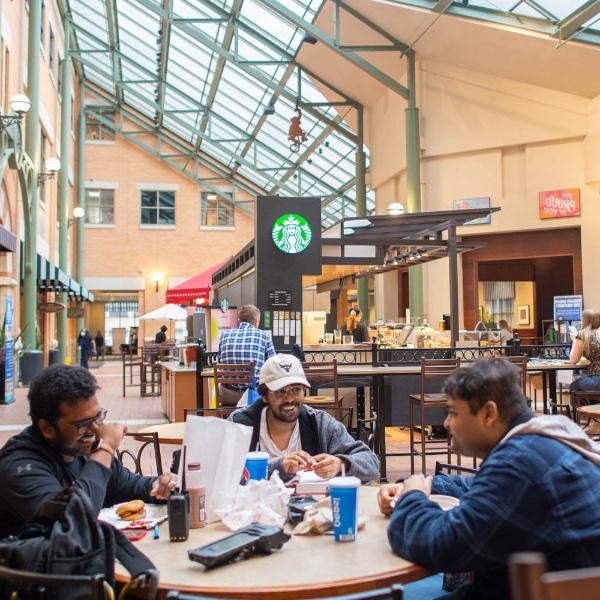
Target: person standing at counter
[(505, 334), (354, 327), (587, 344), (246, 343)]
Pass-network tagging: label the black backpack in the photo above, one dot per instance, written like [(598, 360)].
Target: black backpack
[(68, 539)]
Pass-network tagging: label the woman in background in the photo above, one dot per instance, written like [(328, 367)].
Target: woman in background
[(505, 334), (587, 344), (355, 328)]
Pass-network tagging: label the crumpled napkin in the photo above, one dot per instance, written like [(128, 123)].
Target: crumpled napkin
[(319, 519), (264, 501)]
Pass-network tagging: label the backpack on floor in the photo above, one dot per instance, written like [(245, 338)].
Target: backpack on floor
[(66, 538)]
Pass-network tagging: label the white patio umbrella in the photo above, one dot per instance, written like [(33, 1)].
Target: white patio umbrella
[(170, 312)]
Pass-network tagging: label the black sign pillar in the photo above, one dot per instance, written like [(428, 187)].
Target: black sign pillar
[(288, 246)]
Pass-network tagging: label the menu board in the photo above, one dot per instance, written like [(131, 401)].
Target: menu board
[(280, 299)]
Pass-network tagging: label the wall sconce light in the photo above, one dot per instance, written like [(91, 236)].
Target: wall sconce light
[(78, 213), (51, 166), (19, 104), (157, 277), (395, 209)]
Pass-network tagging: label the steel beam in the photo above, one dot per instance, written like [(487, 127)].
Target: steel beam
[(164, 58), (568, 26), (362, 284), (257, 74), (113, 37), (235, 9), (330, 42)]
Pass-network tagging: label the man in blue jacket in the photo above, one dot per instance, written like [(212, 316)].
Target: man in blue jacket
[(69, 442), (537, 489)]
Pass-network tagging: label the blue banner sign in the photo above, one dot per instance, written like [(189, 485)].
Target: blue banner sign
[(9, 363), (568, 308)]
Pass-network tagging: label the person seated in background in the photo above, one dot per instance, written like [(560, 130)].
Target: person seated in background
[(537, 489), (296, 435), (67, 443), (161, 335), (586, 344), (354, 327), (243, 344)]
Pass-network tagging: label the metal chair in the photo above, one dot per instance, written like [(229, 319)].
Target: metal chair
[(147, 440), (581, 398), (232, 377), (423, 401), (323, 375), (343, 414), (440, 467), (45, 585), (530, 581)]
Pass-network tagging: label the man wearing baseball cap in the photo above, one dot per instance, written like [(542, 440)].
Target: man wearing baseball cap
[(296, 435)]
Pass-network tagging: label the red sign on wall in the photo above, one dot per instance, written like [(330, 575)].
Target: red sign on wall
[(560, 203)]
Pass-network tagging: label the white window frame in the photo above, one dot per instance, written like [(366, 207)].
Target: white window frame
[(228, 190)]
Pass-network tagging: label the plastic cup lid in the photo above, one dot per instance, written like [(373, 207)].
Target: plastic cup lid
[(257, 456), (344, 482)]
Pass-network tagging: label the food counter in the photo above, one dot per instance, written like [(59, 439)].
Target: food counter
[(178, 389)]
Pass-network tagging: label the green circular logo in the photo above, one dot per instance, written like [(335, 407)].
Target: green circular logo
[(224, 304), (291, 233)]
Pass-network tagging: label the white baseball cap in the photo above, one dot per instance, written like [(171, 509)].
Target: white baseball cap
[(281, 370)]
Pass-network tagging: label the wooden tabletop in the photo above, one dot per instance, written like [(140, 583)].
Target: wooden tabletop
[(305, 567), (592, 411), (168, 433)]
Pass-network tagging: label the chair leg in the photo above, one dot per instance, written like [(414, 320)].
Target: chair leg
[(411, 421)]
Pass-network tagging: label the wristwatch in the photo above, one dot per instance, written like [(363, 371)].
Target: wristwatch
[(101, 444)]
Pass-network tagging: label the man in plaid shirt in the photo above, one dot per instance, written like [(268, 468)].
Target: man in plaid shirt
[(537, 489), (244, 344)]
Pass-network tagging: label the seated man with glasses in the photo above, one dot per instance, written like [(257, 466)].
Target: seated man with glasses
[(68, 442), (295, 435)]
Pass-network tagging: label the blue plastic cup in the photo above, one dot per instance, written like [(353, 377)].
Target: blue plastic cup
[(344, 507), (257, 465)]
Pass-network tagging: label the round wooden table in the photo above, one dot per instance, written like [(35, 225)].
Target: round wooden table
[(305, 567), (591, 411), (168, 433)]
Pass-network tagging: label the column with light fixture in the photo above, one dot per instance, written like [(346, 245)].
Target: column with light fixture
[(31, 359), (362, 284), (62, 208), (413, 179), (81, 192)]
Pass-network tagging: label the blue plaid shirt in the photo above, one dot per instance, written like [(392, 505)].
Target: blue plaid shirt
[(245, 344), (532, 493)]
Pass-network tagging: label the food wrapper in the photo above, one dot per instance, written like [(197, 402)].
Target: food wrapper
[(318, 518), (264, 501), (155, 514)]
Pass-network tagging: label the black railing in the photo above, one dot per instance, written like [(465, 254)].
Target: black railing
[(381, 355)]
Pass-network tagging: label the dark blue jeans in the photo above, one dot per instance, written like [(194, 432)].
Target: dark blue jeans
[(586, 383)]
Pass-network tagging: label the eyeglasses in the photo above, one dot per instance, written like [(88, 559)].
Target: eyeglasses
[(83, 425), (296, 390)]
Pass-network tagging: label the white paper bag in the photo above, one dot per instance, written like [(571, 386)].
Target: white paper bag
[(220, 446)]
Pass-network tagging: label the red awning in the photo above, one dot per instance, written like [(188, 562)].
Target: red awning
[(194, 288)]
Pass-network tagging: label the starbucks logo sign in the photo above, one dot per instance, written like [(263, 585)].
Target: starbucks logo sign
[(291, 233)]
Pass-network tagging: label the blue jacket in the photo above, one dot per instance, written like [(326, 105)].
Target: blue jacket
[(532, 493)]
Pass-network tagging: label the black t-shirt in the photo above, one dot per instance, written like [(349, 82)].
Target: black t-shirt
[(160, 337)]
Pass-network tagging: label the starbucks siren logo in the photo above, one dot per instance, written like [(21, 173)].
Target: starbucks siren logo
[(291, 233)]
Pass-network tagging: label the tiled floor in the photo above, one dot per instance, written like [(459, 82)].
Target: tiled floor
[(137, 412)]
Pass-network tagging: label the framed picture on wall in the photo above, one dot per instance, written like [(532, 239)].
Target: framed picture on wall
[(523, 314)]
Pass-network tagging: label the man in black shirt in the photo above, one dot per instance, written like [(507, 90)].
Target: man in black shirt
[(161, 336), (68, 442)]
